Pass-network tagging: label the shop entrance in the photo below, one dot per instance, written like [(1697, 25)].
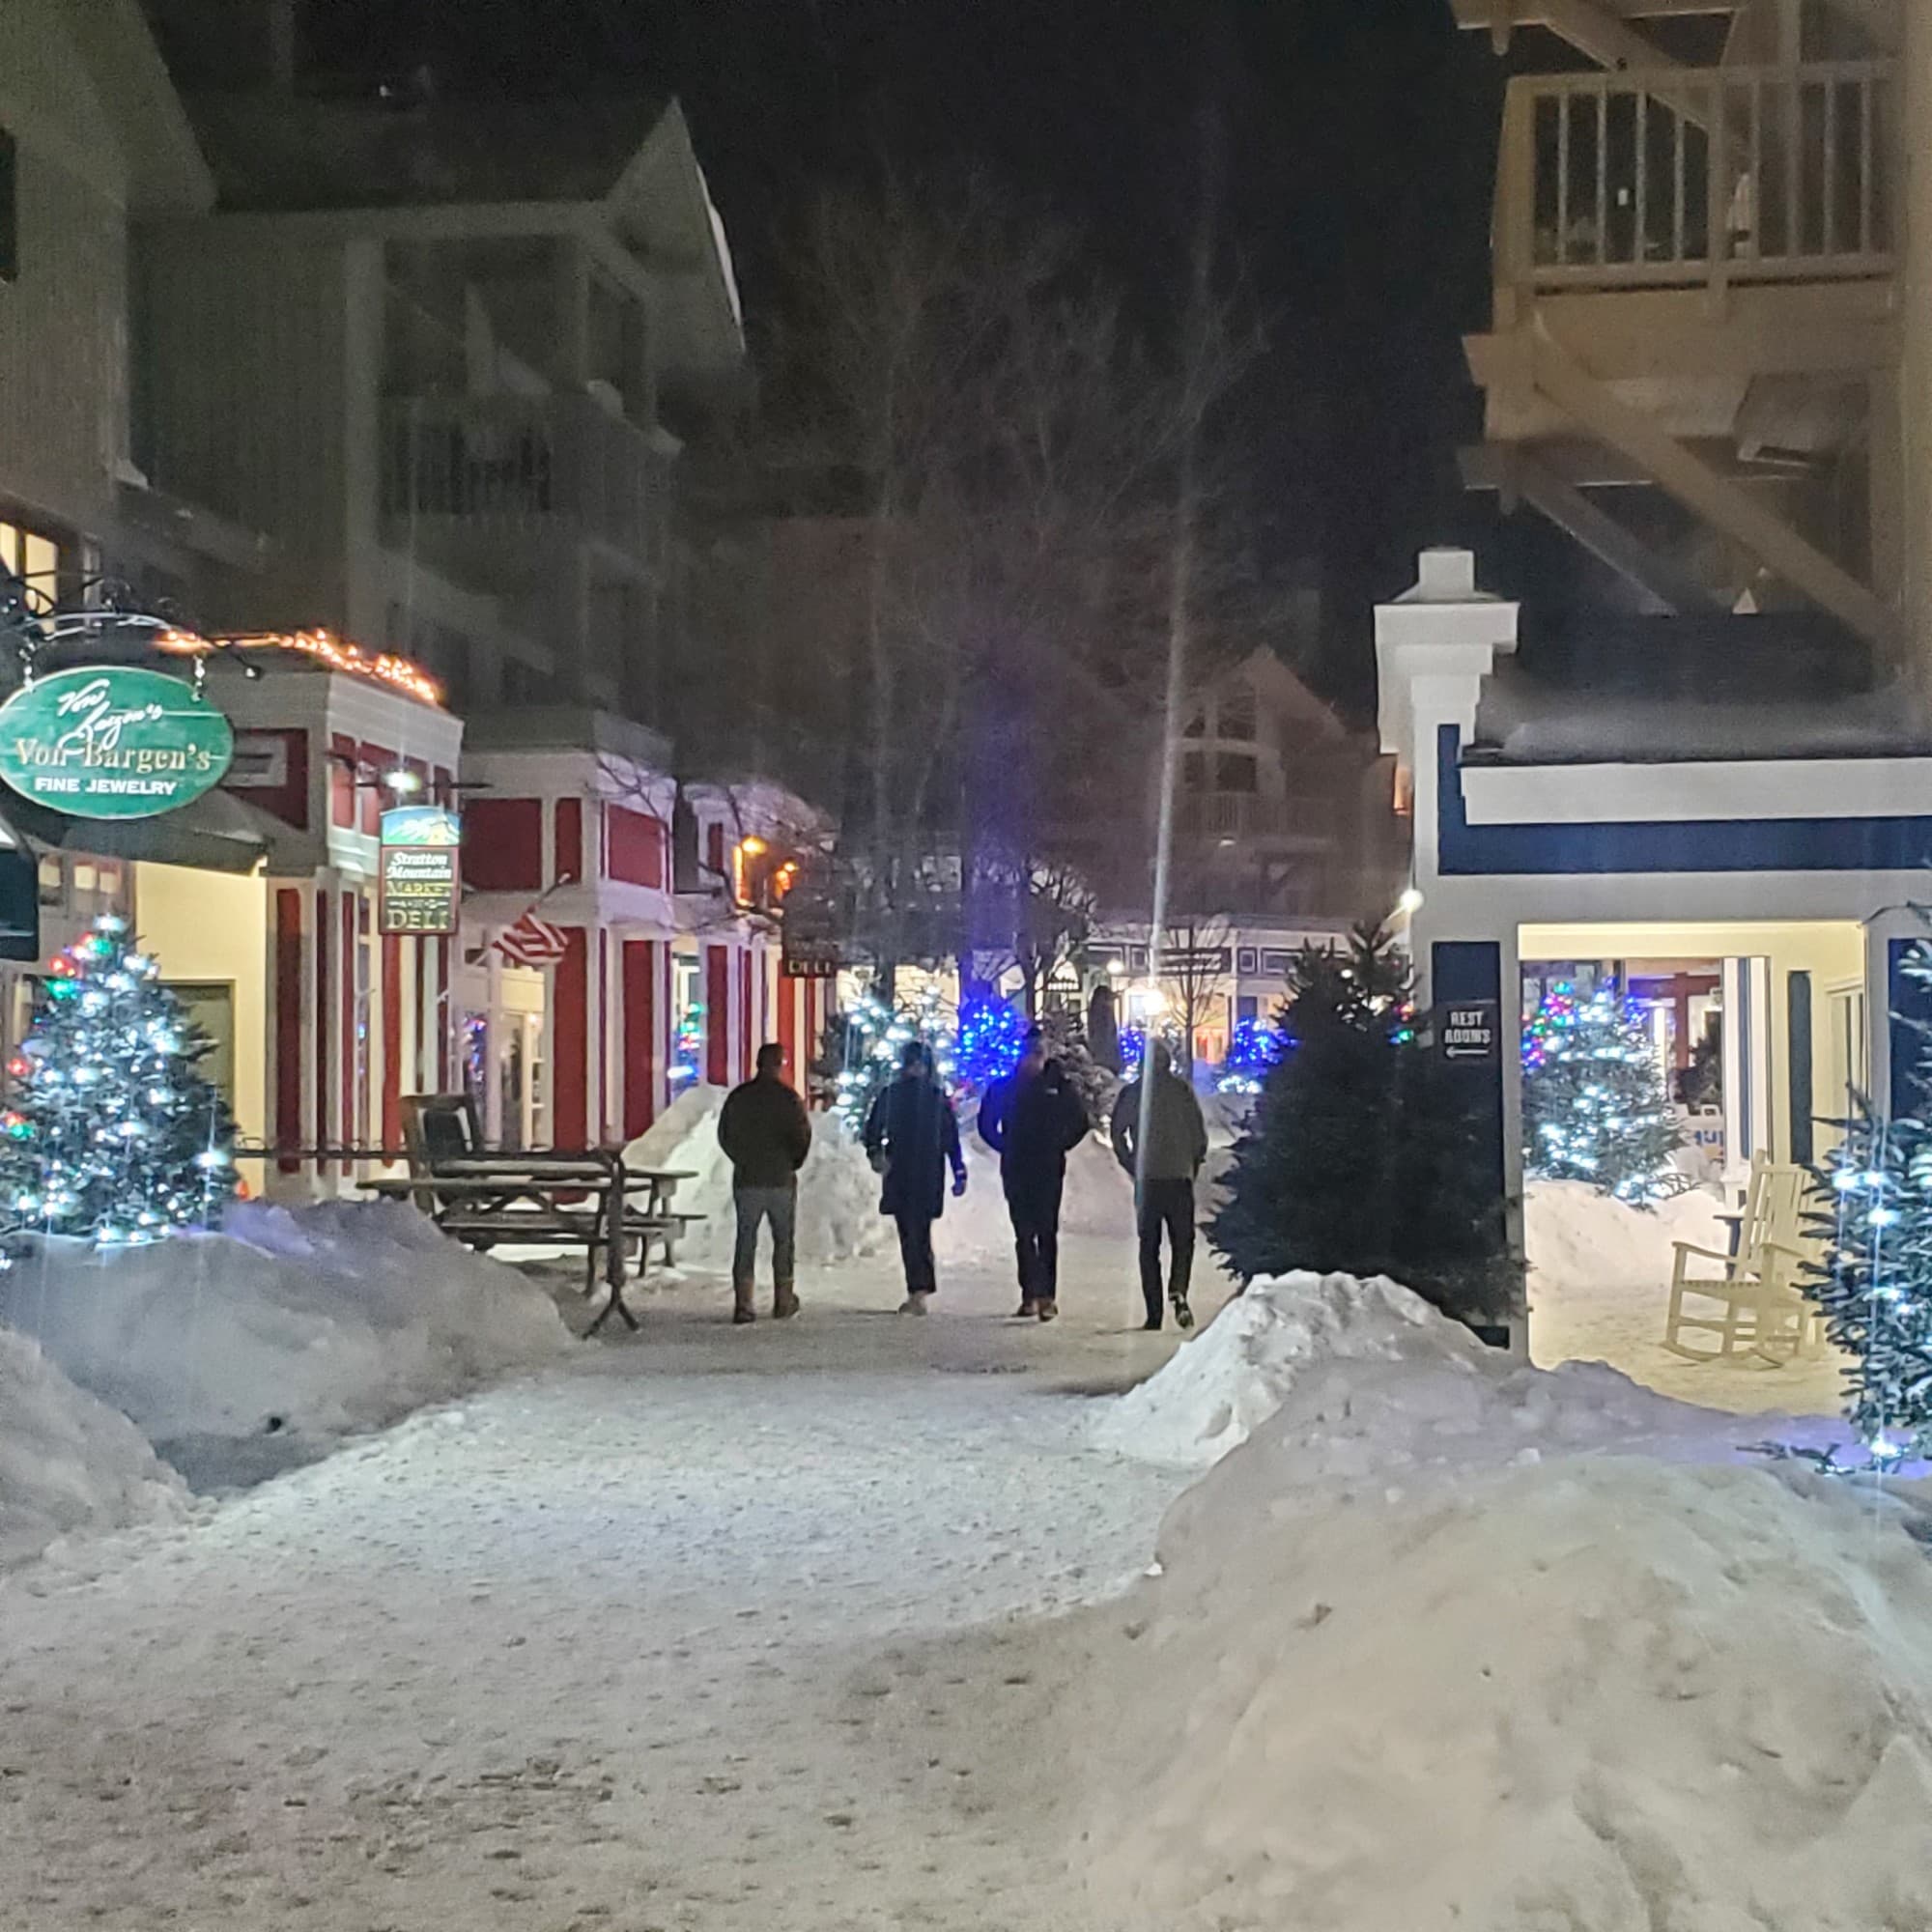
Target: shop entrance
[(1758, 1040)]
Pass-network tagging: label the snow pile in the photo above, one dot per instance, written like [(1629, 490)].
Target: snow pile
[(839, 1217), (308, 1322), (1098, 1199), (1603, 1692), (67, 1463), (1213, 1394), (1576, 1237)]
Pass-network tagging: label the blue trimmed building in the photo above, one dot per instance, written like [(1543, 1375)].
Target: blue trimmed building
[(1623, 805)]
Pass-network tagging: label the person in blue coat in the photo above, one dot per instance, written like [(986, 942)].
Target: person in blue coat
[(912, 1137)]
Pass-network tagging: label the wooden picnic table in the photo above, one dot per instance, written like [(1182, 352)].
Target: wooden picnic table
[(574, 1194)]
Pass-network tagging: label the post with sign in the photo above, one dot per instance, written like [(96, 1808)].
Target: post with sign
[(1466, 985), (421, 882)]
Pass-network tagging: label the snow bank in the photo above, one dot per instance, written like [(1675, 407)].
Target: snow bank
[(1099, 1199), (67, 1463), (1576, 1237), (308, 1322), (839, 1217), (1214, 1392), (1606, 1692)]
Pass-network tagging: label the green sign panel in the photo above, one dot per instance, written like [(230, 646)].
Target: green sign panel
[(421, 890), (112, 742)]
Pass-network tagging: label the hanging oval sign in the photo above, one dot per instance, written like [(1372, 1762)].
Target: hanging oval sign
[(112, 741)]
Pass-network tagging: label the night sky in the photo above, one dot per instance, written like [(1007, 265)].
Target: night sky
[(1359, 139)]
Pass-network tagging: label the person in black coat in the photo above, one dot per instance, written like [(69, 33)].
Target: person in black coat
[(766, 1135), (1033, 1120), (912, 1137)]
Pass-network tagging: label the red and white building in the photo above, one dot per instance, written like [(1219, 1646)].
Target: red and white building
[(589, 948)]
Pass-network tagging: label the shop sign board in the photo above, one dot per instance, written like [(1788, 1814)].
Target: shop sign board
[(421, 879), (810, 959), (112, 741), (1469, 1030)]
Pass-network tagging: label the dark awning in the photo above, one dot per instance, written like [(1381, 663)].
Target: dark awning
[(218, 832)]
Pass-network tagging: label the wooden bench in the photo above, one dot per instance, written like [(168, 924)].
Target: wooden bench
[(488, 1199)]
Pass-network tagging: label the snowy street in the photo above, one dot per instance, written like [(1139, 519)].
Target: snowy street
[(644, 1643)]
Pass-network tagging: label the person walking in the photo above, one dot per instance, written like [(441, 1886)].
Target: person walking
[(1033, 1120), (1162, 1169), (912, 1136), (766, 1134)]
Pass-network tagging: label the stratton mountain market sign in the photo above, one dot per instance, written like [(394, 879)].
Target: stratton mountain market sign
[(112, 741)]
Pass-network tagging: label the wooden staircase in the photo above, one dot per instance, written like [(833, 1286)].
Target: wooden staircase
[(1696, 291)]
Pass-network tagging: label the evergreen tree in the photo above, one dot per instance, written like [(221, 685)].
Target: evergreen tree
[(1873, 1280), (1067, 1043), (1104, 1029), (112, 1132), (864, 1044), (1361, 1153), (1594, 1103)]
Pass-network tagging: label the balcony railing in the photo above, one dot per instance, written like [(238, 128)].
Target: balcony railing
[(1246, 816), (513, 466), (1699, 175)]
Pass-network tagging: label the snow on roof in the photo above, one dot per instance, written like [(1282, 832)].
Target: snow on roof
[(1525, 720)]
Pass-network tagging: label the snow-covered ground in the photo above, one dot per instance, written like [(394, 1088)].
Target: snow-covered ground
[(726, 1629), (656, 1638), (261, 1345), (1600, 1290), (69, 1465)]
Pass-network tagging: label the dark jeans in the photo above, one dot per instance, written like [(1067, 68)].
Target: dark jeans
[(916, 1252), (1168, 1205), (1033, 1201), (757, 1204)]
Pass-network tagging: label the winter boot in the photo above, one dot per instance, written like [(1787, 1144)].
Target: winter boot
[(1183, 1316), (1046, 1309), (741, 1310), (784, 1301), (915, 1303), (1027, 1310)]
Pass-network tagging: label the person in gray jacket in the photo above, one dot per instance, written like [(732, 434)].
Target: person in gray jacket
[(1163, 1168)]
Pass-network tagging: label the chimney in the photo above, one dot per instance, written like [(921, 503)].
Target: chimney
[(1445, 577)]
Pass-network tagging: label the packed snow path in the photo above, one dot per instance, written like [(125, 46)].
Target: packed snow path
[(658, 1641)]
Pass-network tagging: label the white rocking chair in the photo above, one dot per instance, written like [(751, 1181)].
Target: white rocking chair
[(1756, 1304)]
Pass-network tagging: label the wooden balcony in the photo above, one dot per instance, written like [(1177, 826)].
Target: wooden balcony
[(492, 487), (1677, 177), (1697, 275), (1245, 818)]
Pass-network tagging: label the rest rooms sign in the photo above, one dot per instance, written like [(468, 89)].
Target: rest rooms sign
[(420, 881), (112, 742), (1467, 1030)]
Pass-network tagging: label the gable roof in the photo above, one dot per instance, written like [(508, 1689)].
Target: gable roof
[(1281, 692)]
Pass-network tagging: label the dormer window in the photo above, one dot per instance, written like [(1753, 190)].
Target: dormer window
[(1235, 714)]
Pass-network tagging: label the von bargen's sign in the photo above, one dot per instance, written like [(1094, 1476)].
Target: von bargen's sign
[(112, 742)]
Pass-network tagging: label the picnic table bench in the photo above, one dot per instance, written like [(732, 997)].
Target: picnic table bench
[(571, 1197)]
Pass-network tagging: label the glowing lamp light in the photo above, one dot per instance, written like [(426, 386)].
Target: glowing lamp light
[(403, 782), (752, 846), (1410, 902)]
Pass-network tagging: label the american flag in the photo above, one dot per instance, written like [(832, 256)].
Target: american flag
[(532, 942)]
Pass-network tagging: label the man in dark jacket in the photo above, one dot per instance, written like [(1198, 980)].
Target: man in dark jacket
[(912, 1136), (766, 1135), (1161, 1140), (1033, 1120)]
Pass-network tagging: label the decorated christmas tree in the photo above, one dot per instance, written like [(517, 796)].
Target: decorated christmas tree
[(1096, 1085), (111, 1130), (1873, 1279), (1361, 1155), (992, 1036), (1594, 1104), (1253, 1050), (865, 1043)]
